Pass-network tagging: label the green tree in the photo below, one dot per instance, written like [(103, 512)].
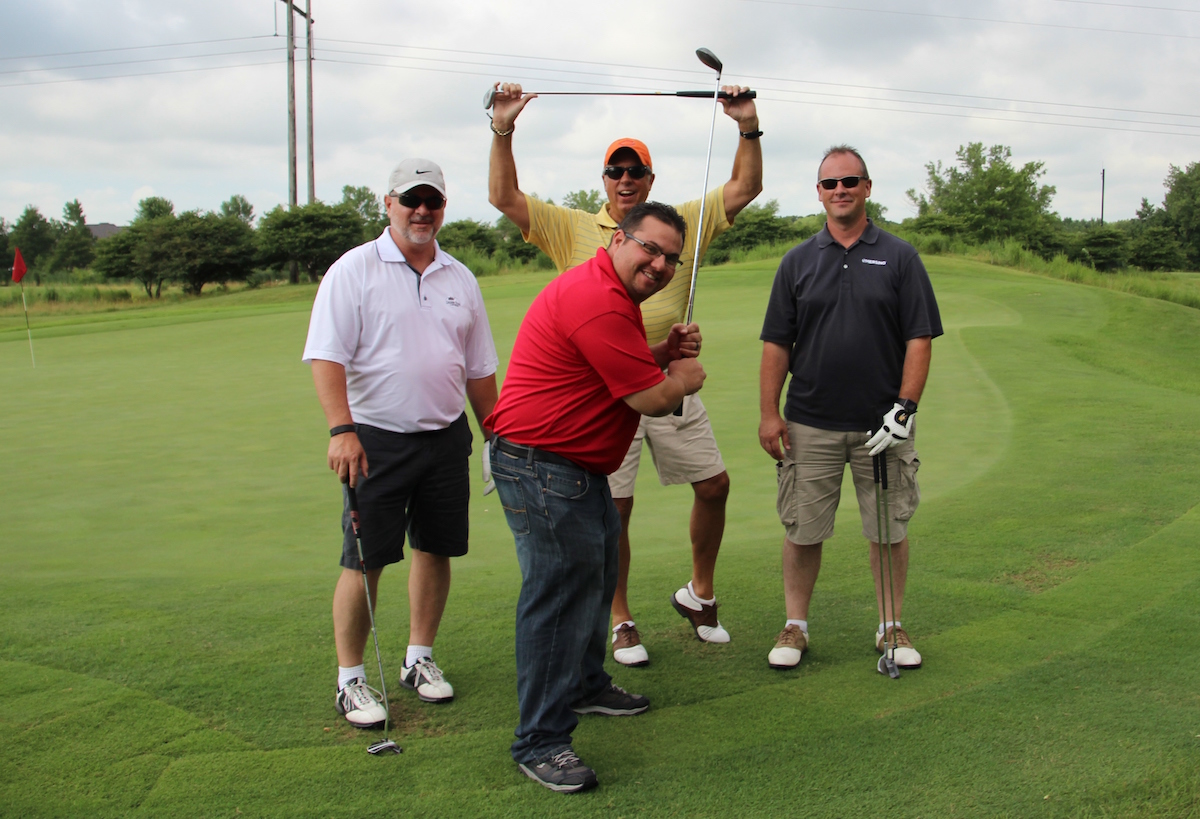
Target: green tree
[(757, 224), (313, 236), (514, 247), (589, 201), (1105, 247), (238, 207), (1181, 207), (364, 201), (154, 207), (468, 234), (875, 211), (1157, 248), (114, 257), (992, 198), (35, 236), (76, 245), (207, 248), (6, 253)]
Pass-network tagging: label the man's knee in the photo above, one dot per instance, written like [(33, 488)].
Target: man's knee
[(713, 490)]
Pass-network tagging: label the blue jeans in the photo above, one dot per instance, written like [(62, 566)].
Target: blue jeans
[(566, 528)]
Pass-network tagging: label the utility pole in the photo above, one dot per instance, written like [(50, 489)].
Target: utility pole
[(291, 85), (1101, 196), (312, 181)]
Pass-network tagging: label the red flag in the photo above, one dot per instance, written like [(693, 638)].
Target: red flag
[(18, 266)]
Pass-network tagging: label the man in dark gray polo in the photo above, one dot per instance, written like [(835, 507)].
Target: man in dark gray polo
[(852, 317)]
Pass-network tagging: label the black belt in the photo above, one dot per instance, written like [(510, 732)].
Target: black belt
[(531, 453)]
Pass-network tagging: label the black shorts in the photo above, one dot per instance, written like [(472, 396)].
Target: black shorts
[(418, 482)]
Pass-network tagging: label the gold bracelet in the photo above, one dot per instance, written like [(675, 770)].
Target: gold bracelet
[(503, 133)]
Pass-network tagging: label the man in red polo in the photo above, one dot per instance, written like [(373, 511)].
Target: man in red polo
[(580, 377)]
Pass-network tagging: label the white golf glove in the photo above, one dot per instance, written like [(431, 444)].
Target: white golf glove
[(489, 486), (896, 426)]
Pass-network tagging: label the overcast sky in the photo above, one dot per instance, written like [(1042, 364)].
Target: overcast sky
[(1076, 84)]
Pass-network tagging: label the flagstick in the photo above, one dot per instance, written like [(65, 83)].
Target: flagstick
[(27, 330)]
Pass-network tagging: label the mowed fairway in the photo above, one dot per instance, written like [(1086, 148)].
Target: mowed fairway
[(169, 539)]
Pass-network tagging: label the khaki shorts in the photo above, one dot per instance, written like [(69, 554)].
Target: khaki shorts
[(810, 483), (683, 448)]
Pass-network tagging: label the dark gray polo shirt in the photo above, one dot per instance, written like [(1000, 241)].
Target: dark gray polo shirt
[(847, 315)]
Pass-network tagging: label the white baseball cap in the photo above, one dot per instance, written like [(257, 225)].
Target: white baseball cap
[(412, 173)]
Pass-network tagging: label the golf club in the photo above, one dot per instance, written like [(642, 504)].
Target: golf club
[(710, 60), (490, 95), (887, 663), (385, 745)]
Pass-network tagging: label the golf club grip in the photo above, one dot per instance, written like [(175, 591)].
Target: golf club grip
[(723, 95), (875, 466), (883, 468), (352, 496)]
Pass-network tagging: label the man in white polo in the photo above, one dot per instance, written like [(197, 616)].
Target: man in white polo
[(399, 341)]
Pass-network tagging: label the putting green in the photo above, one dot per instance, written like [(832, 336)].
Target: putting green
[(169, 551)]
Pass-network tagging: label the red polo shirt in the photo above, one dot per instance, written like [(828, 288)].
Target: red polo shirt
[(580, 350)]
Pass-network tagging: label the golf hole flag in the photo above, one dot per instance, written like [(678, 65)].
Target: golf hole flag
[(18, 266)]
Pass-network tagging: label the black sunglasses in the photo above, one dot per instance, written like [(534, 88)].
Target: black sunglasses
[(654, 251), (634, 171), (847, 182), (411, 200)]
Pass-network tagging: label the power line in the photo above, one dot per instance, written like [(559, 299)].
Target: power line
[(928, 15), (139, 62), (1129, 6), (136, 48), (138, 74)]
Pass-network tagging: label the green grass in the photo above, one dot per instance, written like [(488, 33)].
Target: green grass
[(170, 541)]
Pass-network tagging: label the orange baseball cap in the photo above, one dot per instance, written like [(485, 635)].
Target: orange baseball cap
[(635, 145)]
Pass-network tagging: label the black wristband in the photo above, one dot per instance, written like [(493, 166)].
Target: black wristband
[(750, 134), (910, 406), (342, 430)]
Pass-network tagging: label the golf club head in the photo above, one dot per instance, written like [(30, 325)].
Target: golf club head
[(888, 666), (385, 746), (488, 98), (710, 59)]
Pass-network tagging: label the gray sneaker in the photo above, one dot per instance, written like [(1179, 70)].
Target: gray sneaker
[(613, 701), (563, 772)]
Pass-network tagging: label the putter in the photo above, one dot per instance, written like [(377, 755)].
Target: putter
[(887, 663), (710, 60), (490, 95), (385, 745)]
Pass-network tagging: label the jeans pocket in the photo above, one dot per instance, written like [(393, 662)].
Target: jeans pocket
[(570, 485), (785, 503), (908, 493), (512, 499)]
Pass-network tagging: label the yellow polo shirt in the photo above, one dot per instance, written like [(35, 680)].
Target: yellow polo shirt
[(571, 237)]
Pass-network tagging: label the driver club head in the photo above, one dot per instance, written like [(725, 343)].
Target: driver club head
[(488, 98), (384, 746), (888, 666), (710, 59)]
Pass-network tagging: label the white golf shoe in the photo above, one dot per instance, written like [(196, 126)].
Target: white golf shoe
[(701, 617), (789, 648), (906, 655), (360, 704), (426, 679), (627, 646)]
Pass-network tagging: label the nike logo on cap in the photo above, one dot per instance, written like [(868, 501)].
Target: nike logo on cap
[(424, 171)]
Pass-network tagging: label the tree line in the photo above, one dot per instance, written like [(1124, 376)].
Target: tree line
[(980, 198)]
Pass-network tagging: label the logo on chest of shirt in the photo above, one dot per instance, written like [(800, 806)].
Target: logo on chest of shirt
[(453, 302), (873, 261)]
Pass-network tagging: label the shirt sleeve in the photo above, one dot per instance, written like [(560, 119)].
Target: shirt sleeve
[(615, 347), (335, 325), (779, 325), (919, 314), (551, 228), (480, 352)]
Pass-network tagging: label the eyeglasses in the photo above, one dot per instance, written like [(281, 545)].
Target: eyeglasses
[(411, 200), (847, 182), (617, 171), (654, 251)]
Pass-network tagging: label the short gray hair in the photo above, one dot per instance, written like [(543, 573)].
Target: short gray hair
[(844, 149)]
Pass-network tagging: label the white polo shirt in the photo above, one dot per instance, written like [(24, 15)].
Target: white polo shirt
[(408, 343)]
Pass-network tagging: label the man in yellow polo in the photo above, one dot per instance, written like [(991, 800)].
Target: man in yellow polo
[(683, 447)]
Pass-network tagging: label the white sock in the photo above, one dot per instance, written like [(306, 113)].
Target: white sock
[(698, 598), (619, 626), (417, 653), (347, 675), (887, 625), (802, 623)]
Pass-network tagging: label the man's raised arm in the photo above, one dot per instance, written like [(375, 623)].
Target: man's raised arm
[(503, 190), (746, 181)]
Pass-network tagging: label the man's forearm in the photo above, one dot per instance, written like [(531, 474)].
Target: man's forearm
[(772, 373), (481, 393), (330, 380), (745, 182), (504, 191), (917, 355)]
